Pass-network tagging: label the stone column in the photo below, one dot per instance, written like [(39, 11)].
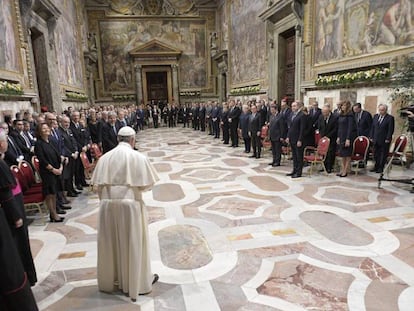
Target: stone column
[(220, 86), (175, 83), (138, 84)]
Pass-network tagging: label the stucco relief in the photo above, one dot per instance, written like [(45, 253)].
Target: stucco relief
[(247, 42), (118, 38), (344, 29)]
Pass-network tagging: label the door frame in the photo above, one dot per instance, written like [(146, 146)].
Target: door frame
[(166, 69)]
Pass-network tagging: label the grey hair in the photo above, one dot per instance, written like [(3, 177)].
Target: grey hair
[(125, 139)]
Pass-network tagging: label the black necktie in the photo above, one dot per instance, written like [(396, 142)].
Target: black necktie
[(28, 145)]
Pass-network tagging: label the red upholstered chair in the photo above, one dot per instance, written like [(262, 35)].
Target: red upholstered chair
[(317, 156), (33, 199), (398, 150), (29, 174), (88, 166), (264, 135), (359, 153), (96, 151)]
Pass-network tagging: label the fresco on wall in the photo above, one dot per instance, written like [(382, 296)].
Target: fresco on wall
[(8, 44), (248, 41), (68, 51), (351, 28), (118, 38), (224, 26)]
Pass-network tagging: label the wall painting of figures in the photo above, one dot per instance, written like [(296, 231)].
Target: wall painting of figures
[(118, 38), (9, 39), (344, 29), (247, 42), (68, 46)]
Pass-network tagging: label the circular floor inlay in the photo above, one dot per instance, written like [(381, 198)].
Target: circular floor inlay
[(184, 247)]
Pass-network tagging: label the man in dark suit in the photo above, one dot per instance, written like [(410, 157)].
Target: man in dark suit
[(285, 111), (78, 132), (314, 114), (202, 114), (381, 136), (109, 133), (139, 116), (295, 138), (215, 116), (363, 120), (13, 155), (22, 142), (70, 151), (328, 126), (254, 131), (234, 117), (121, 121), (277, 134)]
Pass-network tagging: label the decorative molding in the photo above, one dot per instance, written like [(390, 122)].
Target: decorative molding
[(155, 49)]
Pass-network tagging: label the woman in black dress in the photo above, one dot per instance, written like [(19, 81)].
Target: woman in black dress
[(50, 168), (347, 132)]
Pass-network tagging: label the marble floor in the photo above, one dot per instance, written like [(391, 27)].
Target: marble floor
[(232, 233)]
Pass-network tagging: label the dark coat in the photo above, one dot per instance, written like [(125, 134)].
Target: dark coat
[(364, 123), (383, 131), (329, 129), (277, 127), (109, 138), (244, 124), (297, 128), (255, 124)]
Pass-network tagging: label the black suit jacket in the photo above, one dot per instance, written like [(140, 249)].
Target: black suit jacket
[(21, 144), (314, 115), (277, 127), (381, 132), (109, 138), (297, 128), (13, 152), (329, 129), (69, 143), (255, 124), (234, 115), (364, 123)]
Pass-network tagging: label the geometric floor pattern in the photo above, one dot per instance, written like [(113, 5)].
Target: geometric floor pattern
[(228, 232)]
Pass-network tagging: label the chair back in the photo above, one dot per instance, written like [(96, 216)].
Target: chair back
[(28, 173), (400, 144), (17, 173), (264, 131), (323, 146), (317, 137), (36, 163), (96, 152), (360, 147), (85, 161)]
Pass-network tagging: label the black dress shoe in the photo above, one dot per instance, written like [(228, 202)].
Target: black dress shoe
[(290, 174), (156, 278), (85, 184), (61, 219), (258, 157), (296, 176), (72, 194), (276, 164), (77, 192), (271, 163), (66, 207), (252, 156), (61, 211), (79, 187), (66, 202), (374, 170)]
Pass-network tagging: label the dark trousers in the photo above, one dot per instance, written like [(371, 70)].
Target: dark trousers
[(203, 124), (79, 172), (247, 144), (330, 156), (297, 156), (216, 129), (381, 155), (257, 145), (276, 151), (67, 176), (155, 121), (234, 135), (196, 124), (186, 122), (210, 126), (226, 134)]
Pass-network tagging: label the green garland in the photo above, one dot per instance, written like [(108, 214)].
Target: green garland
[(375, 74), (76, 96), (247, 90), (126, 97), (10, 88)]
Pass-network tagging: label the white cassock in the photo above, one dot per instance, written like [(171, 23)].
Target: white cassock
[(121, 175)]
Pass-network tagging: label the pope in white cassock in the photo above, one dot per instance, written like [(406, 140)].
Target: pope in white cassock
[(121, 175)]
